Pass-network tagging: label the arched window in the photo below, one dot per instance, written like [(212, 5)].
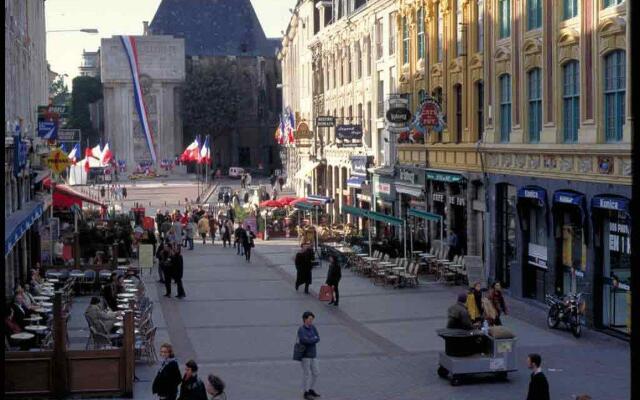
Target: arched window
[(535, 105), (457, 92), (569, 9), (440, 29), (505, 108), (480, 26), (534, 14), (437, 95), (614, 93), (609, 3), (420, 33), (459, 25), (570, 101), (504, 18), (421, 96), (480, 108), (405, 41)]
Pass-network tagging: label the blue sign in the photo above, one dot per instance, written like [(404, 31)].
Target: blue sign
[(567, 197), (20, 154), (48, 130), (610, 203)]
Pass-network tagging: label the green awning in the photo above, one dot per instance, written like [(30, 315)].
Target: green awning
[(302, 205), (443, 176), (355, 211), (414, 212), (387, 219)]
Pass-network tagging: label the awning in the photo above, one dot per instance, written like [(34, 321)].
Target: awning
[(568, 197), (414, 212), (355, 211), (65, 197), (444, 176), (306, 169), (19, 222), (538, 194), (316, 198), (355, 181), (411, 190), (385, 171), (611, 202), (387, 219), (303, 205)]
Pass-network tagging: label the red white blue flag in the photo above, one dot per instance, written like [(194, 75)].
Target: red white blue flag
[(205, 153), (130, 47)]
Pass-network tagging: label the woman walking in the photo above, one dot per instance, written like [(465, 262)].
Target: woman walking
[(166, 382), (308, 337), (213, 225), (497, 300), (248, 242), (203, 228), (226, 235), (333, 279), (304, 263)]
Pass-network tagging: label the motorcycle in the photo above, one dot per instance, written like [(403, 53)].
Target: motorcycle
[(568, 310)]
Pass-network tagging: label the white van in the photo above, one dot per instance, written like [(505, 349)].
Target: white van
[(235, 172)]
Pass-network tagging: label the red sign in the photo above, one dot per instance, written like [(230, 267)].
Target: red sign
[(429, 114), (148, 223)]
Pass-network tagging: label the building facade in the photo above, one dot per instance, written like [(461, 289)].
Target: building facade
[(90, 65), (26, 87)]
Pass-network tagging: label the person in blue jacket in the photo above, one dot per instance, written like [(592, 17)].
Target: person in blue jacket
[(309, 337)]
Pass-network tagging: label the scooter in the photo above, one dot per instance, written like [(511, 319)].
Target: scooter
[(568, 310)]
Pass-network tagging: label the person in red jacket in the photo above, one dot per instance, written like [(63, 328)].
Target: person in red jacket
[(497, 299)]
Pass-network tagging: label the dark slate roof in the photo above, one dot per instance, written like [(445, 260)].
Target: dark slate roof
[(213, 27)]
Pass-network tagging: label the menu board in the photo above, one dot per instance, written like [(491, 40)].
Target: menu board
[(145, 256)]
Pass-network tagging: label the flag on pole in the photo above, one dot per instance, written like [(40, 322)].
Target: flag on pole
[(283, 130), (74, 153), (131, 50), (292, 127), (205, 152), (107, 155), (192, 152), (86, 165), (94, 152), (63, 148)]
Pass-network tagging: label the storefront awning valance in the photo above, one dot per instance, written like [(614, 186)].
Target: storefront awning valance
[(387, 219), (414, 212), (609, 202), (303, 205), (411, 190), (444, 176), (568, 197), (306, 169), (355, 211), (535, 193), (316, 198), (65, 197), (19, 222), (355, 181)]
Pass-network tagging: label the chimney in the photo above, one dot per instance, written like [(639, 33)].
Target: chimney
[(145, 28)]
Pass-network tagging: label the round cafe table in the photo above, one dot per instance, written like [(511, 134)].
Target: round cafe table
[(41, 297), (126, 295), (121, 331), (36, 328), (128, 280), (76, 274), (23, 339), (124, 306), (43, 310), (131, 290), (46, 304), (34, 318)]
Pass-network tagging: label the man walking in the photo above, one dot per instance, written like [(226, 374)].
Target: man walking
[(178, 270), (538, 385), (308, 337), (304, 263)]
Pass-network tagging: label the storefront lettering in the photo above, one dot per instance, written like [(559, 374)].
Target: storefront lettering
[(438, 197), (359, 165), (384, 188), (565, 199), (407, 176), (531, 194), (609, 204), (457, 201)]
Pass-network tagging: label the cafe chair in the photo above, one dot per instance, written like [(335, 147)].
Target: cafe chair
[(88, 282), (99, 340), (145, 347), (64, 274), (104, 275)]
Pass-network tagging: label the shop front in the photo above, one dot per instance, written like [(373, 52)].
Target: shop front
[(448, 198), (359, 188), (410, 187), (384, 194), (612, 228)]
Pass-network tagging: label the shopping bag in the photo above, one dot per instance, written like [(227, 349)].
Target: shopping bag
[(326, 293)]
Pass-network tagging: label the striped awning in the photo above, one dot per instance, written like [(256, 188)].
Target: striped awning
[(355, 211), (19, 222)]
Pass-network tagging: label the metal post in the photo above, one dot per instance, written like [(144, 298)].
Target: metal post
[(369, 226), (404, 224)]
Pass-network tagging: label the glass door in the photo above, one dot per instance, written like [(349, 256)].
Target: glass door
[(616, 263)]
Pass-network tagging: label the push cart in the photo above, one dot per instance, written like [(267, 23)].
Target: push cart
[(476, 352)]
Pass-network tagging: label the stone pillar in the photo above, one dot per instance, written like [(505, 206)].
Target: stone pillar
[(448, 212), (472, 222)]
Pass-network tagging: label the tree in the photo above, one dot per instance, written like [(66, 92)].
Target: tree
[(86, 90), (210, 101), (59, 92)]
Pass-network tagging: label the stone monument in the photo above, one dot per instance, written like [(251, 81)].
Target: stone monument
[(161, 72)]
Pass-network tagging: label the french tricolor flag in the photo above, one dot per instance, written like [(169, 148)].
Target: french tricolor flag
[(192, 152), (205, 152), (74, 154), (107, 155)]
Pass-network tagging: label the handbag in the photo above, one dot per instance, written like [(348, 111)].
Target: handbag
[(326, 293), (298, 351)]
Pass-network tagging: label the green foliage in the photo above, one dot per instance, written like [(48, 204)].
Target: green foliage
[(241, 213), (210, 101), (59, 92), (86, 90)]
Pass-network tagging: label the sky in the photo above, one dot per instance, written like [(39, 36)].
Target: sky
[(118, 17)]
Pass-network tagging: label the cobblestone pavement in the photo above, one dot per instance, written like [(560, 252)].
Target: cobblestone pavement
[(239, 321)]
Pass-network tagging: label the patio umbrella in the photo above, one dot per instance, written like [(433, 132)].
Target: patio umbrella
[(271, 203), (287, 200)]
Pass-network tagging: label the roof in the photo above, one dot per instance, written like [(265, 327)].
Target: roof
[(213, 27)]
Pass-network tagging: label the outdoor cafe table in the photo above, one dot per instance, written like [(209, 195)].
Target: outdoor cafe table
[(126, 295), (37, 329), (42, 297), (43, 310), (135, 331), (34, 318), (23, 338), (128, 281), (131, 290), (76, 274), (52, 280), (46, 304)]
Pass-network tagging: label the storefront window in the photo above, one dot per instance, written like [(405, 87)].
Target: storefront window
[(506, 224)]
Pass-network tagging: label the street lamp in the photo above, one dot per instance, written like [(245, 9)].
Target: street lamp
[(84, 30)]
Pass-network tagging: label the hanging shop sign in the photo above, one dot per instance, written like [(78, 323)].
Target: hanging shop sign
[(538, 256), (20, 155), (610, 203), (349, 135), (398, 115), (48, 120), (406, 175), (303, 132), (57, 161), (325, 121), (359, 165), (382, 187), (69, 137)]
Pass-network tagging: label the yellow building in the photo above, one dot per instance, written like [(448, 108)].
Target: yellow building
[(534, 97)]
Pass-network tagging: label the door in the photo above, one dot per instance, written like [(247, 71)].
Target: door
[(506, 232), (616, 273)]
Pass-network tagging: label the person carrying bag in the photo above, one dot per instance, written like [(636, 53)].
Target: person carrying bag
[(304, 350)]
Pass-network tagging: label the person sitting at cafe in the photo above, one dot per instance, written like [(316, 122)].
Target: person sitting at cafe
[(11, 326), (35, 285), (101, 320), (21, 311), (29, 301), (110, 292), (458, 316)]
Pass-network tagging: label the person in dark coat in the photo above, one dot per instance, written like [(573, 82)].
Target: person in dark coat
[(248, 242), (167, 266), (124, 192), (538, 385), (226, 235), (161, 254), (304, 261), (168, 378), (458, 316), (178, 270), (309, 337), (333, 279), (497, 299), (110, 292), (192, 387)]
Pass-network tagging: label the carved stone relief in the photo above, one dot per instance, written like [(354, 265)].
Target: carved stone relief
[(566, 164), (585, 165), (534, 162), (520, 160), (550, 162), (506, 160)]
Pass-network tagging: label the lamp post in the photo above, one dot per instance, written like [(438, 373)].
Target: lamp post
[(91, 31)]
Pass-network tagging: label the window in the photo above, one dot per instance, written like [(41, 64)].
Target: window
[(614, 92), (505, 108), (480, 108), (571, 101), (368, 42), (534, 14), (506, 232), (367, 136), (569, 9), (609, 3), (480, 26), (359, 115), (244, 155), (535, 105), (335, 67), (359, 65), (350, 115), (392, 80), (460, 24), (504, 18), (422, 94), (392, 33), (379, 38), (405, 41), (349, 65), (380, 112), (437, 95), (420, 34), (342, 54), (440, 28), (457, 92)]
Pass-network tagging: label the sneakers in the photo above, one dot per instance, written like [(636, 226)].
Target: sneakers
[(310, 395), (313, 393)]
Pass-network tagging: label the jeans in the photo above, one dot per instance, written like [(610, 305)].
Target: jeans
[(189, 242), (309, 373), (247, 253)]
